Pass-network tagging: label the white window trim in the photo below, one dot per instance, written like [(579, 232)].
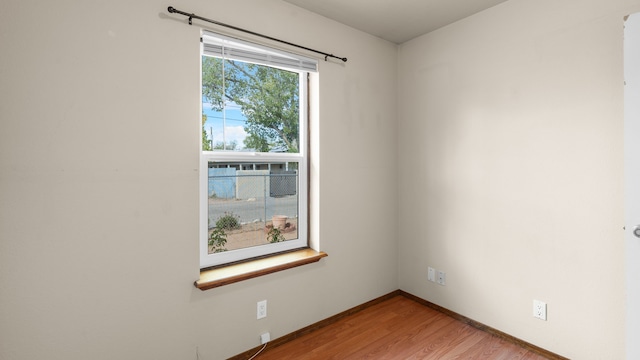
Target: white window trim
[(302, 158)]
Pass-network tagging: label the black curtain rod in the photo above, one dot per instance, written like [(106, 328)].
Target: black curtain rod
[(171, 9)]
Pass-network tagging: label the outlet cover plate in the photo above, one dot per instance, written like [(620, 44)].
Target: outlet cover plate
[(265, 338), (442, 279), (262, 309), (540, 310), (431, 274)]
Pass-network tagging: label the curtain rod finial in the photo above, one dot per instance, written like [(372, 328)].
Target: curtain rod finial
[(170, 9)]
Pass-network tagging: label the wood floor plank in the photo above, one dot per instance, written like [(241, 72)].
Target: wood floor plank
[(399, 328), (307, 346), (409, 330)]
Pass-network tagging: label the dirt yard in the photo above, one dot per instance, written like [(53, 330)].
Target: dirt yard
[(254, 234)]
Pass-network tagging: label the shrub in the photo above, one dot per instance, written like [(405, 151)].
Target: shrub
[(228, 221), (275, 235), (218, 239)]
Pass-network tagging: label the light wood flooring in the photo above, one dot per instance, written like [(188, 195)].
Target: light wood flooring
[(398, 328)]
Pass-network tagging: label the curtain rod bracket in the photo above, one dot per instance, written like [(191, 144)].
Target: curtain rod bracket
[(192, 16)]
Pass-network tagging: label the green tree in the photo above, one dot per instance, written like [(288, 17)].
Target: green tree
[(206, 143), (268, 98)]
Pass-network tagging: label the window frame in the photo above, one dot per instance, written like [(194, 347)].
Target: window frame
[(302, 158)]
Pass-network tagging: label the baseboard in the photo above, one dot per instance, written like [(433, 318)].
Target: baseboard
[(328, 321)]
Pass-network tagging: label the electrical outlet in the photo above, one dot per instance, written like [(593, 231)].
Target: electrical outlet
[(540, 310), (442, 278), (265, 338), (431, 274), (262, 309)]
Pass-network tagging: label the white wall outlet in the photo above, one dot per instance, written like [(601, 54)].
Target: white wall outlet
[(442, 278), (431, 274), (262, 309), (265, 338), (540, 310)]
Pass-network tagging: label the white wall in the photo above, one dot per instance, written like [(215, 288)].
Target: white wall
[(509, 149), (99, 129), (511, 170), (632, 179)]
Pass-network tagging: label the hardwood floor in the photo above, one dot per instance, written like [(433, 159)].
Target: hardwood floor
[(398, 328)]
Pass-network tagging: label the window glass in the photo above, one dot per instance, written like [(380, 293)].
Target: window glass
[(251, 204), (254, 162), (249, 107)]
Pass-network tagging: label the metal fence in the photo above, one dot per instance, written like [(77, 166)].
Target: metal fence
[(252, 195)]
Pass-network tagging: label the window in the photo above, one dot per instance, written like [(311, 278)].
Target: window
[(253, 178)]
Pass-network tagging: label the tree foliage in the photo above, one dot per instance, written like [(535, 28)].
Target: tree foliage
[(231, 145), (268, 98), (206, 143)]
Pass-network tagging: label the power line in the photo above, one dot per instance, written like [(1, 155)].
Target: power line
[(220, 117)]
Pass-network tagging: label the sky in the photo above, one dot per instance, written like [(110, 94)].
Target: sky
[(235, 123)]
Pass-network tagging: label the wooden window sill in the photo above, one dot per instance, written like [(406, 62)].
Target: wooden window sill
[(225, 275)]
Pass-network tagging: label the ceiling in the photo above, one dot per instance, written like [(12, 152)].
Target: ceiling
[(396, 20)]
